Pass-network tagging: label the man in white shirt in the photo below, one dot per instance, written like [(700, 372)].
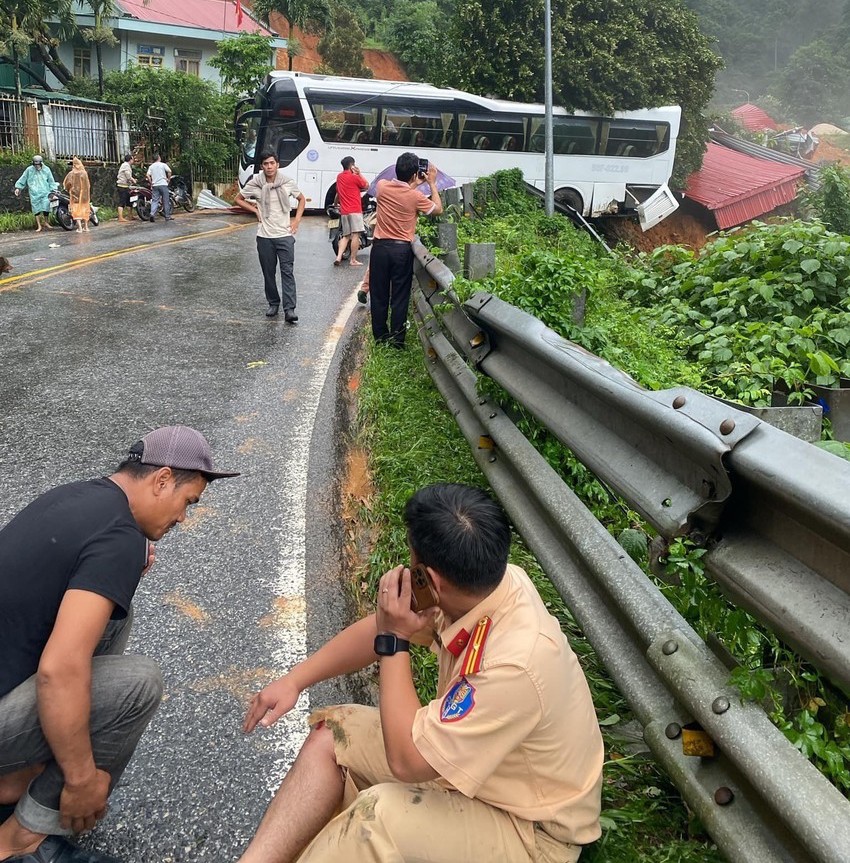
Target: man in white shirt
[(267, 196), (158, 176)]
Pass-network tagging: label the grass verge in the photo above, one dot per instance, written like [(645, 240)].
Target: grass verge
[(413, 440), (26, 221)]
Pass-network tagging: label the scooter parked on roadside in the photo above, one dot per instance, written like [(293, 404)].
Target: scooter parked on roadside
[(60, 209), (140, 201), (370, 216), (181, 194)]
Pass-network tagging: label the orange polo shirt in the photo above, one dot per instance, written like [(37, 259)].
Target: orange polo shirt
[(398, 207), (520, 731)]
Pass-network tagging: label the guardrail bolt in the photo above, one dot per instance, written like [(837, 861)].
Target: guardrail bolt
[(669, 647), (482, 401), (727, 426), (723, 796), (672, 731), (492, 416), (492, 458), (679, 402), (477, 340), (720, 704)]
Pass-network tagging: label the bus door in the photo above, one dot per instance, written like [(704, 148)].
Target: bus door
[(249, 128)]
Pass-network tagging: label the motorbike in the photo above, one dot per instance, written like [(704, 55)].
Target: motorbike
[(370, 216), (178, 192), (140, 201), (181, 194), (60, 209)]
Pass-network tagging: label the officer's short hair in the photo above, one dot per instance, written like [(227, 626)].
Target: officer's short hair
[(461, 532)]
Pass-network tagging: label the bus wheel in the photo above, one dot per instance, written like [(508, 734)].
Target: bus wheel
[(329, 198), (570, 198)]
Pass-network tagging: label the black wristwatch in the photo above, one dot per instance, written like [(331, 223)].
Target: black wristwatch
[(387, 644)]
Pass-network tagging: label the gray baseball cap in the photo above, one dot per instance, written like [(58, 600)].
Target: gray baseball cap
[(179, 447)]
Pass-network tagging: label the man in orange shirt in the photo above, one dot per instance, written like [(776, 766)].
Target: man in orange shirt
[(350, 184), (391, 264), (505, 764)]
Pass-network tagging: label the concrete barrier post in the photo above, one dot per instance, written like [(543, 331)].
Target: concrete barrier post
[(479, 261)]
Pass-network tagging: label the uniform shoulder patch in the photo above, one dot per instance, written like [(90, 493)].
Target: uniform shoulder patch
[(475, 652), (458, 701)]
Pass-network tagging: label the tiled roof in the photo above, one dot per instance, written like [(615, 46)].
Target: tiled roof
[(216, 15), (752, 118)]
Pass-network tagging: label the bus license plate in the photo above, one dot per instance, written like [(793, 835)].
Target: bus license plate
[(333, 223)]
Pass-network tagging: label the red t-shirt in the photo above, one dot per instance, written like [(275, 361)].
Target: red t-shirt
[(348, 189)]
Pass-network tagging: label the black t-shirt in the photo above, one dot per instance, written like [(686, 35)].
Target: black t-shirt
[(81, 536)]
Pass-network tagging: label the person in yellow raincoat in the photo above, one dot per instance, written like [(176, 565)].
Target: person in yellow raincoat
[(76, 184)]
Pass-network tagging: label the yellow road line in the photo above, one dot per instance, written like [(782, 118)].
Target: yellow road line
[(36, 275)]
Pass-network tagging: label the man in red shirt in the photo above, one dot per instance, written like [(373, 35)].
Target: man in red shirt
[(391, 264), (350, 184)]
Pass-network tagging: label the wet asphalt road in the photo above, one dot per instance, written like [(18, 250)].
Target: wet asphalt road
[(159, 324)]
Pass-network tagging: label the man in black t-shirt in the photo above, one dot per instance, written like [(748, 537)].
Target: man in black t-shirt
[(72, 706)]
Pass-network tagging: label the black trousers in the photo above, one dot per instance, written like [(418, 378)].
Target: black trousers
[(390, 278), (274, 253)]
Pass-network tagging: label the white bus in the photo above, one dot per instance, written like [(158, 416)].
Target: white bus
[(603, 165)]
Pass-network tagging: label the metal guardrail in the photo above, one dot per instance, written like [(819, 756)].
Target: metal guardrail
[(687, 463)]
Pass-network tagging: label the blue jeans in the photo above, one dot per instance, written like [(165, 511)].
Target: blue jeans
[(160, 198), (274, 252), (125, 693)]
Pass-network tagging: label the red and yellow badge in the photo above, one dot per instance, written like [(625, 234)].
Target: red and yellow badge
[(475, 651)]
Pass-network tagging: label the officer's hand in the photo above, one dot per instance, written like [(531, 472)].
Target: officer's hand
[(269, 704), (82, 804), (394, 612)]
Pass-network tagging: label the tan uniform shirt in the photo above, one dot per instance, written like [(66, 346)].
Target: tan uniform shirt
[(520, 732)]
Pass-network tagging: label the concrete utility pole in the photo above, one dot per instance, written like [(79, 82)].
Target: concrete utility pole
[(550, 159)]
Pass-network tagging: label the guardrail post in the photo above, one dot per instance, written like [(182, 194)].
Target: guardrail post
[(468, 198), (447, 241), (479, 260)]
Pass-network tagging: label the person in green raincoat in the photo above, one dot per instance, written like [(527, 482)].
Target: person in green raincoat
[(38, 180)]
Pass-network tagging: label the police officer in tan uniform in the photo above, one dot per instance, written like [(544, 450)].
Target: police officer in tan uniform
[(505, 764)]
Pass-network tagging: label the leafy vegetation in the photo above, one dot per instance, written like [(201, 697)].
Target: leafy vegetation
[(754, 307), (760, 310), (242, 61), (831, 201), (643, 816), (789, 55)]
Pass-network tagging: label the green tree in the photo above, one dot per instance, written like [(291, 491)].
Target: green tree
[(342, 45), (243, 62), (830, 202), (411, 31), (310, 16), (23, 23), (101, 34), (607, 55), (814, 83)]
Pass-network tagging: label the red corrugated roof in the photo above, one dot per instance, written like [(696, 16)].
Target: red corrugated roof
[(752, 118), (218, 15), (737, 187)]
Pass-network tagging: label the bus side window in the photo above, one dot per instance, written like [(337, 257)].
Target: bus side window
[(482, 142), (510, 143)]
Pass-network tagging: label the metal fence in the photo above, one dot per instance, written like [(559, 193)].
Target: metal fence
[(61, 130), (777, 509), (18, 124)]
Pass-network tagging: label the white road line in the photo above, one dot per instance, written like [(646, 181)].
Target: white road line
[(291, 640)]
